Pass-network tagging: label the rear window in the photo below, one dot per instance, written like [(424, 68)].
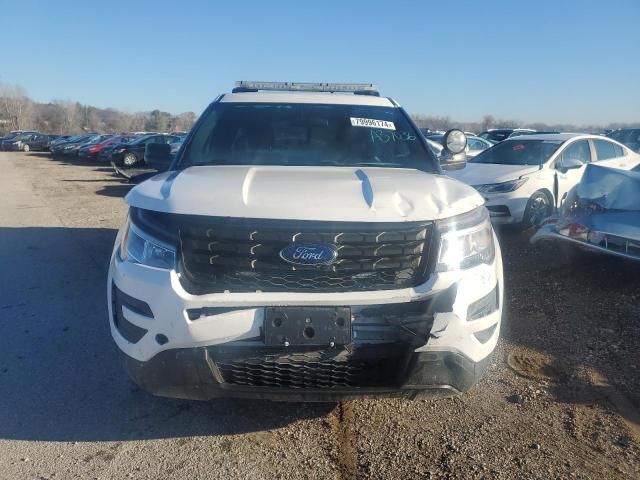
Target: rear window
[(607, 150), (306, 135), (519, 152), (496, 135)]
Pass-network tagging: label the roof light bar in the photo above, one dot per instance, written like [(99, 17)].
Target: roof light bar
[(306, 87)]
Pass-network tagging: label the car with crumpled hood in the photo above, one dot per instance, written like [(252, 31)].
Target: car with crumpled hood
[(304, 244), (601, 214)]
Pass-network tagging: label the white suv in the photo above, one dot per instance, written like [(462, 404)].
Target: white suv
[(304, 245)]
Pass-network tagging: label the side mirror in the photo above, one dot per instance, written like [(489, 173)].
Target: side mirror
[(454, 156), (566, 164), (157, 156)]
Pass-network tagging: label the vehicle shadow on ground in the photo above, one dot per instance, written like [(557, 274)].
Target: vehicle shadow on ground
[(61, 377), (119, 190), (579, 316)]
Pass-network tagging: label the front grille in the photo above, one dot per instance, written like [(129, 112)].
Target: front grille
[(313, 369), (244, 256)]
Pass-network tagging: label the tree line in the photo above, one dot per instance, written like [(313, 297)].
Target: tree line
[(19, 112), (489, 121)]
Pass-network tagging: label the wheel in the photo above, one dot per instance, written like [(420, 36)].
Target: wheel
[(25, 148), (129, 160), (538, 208)]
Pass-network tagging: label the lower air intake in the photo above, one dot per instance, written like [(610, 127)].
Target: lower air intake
[(311, 370)]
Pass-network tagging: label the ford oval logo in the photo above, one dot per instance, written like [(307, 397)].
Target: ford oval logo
[(310, 254)]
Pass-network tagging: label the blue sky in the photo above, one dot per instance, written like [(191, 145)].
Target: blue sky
[(555, 61)]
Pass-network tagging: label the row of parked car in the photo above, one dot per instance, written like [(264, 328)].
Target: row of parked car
[(123, 150)]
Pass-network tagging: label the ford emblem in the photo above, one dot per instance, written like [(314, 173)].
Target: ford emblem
[(310, 254)]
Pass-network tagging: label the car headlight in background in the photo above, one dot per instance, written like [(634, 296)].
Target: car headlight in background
[(466, 241), (503, 187), (138, 247)]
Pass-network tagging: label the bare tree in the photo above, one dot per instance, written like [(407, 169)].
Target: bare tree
[(487, 122), (15, 107), (184, 121)]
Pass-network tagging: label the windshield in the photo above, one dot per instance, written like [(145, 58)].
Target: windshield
[(305, 135), (138, 140), (519, 152), (496, 135), (23, 136), (77, 138)]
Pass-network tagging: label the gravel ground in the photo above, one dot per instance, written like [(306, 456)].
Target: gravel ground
[(560, 400)]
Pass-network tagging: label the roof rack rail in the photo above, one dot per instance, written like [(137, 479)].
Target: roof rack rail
[(355, 88)]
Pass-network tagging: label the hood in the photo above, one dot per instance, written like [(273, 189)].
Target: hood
[(306, 193), (483, 173), (610, 188)]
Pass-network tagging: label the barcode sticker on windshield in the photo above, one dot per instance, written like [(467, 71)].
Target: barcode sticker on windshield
[(372, 123)]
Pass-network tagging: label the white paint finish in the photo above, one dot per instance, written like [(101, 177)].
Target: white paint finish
[(306, 193)]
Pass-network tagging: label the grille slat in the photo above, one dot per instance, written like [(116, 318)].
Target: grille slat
[(217, 257), (311, 369)]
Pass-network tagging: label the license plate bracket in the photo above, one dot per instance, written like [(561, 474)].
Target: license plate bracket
[(307, 326)]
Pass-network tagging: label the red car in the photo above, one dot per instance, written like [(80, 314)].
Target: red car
[(91, 152)]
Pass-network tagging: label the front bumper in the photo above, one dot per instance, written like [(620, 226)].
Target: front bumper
[(171, 338), (87, 155), (608, 243), (116, 158), (193, 374), (69, 153), (505, 208)]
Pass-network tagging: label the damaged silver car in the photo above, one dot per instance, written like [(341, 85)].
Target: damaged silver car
[(601, 213)]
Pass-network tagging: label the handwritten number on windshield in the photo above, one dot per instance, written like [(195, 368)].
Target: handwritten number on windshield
[(385, 136)]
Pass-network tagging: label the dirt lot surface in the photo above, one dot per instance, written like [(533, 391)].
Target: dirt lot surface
[(560, 400)]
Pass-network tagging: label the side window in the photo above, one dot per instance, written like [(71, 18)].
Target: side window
[(607, 150), (579, 151), (475, 145)]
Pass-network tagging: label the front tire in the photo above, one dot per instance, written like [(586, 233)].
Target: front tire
[(129, 160), (538, 208), (25, 148)]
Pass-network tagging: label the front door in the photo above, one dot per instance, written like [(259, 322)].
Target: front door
[(567, 174)]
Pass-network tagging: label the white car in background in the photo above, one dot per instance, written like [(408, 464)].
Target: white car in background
[(524, 178)]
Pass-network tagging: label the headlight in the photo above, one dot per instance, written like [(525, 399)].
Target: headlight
[(504, 187), (137, 247), (466, 241)]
